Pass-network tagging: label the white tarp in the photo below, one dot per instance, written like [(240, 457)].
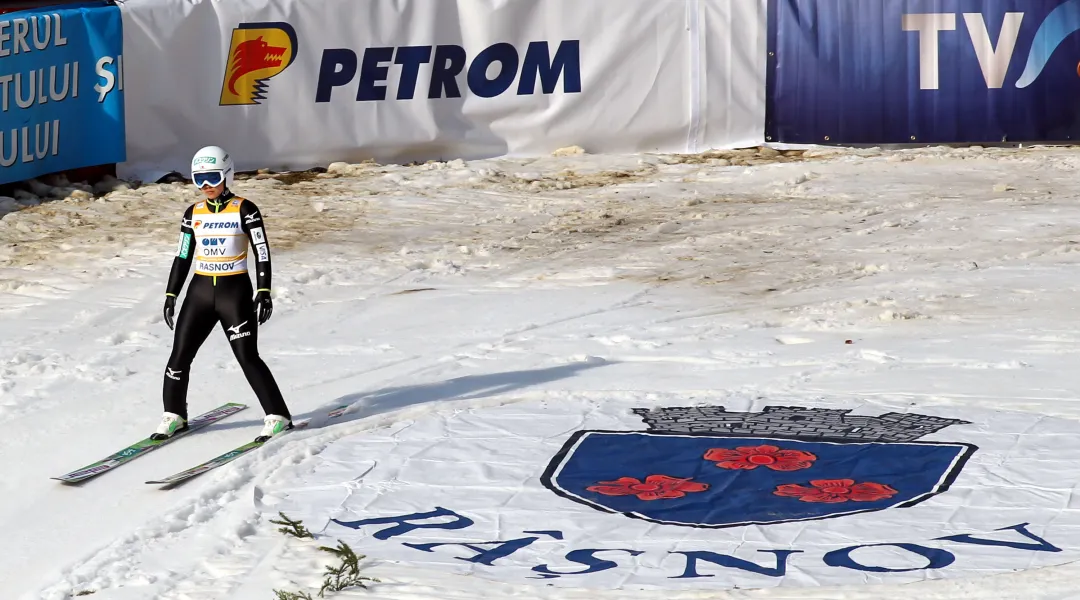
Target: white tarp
[(732, 48), (632, 76), (590, 491)]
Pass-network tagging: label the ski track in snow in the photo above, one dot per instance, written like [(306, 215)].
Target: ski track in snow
[(449, 286)]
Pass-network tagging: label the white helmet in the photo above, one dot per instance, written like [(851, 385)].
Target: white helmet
[(212, 165)]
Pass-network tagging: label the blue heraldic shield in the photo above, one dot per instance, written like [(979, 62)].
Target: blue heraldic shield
[(706, 467)]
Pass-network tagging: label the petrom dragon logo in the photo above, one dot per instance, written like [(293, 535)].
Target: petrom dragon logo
[(258, 52)]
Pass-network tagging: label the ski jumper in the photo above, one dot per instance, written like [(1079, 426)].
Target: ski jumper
[(214, 235)]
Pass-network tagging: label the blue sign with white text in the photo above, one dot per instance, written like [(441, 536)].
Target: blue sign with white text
[(61, 89), (923, 71)]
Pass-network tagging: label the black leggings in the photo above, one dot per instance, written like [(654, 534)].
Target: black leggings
[(228, 301)]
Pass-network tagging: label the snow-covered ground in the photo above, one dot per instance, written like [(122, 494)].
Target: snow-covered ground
[(440, 300)]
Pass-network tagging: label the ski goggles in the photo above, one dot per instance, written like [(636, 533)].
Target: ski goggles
[(208, 178)]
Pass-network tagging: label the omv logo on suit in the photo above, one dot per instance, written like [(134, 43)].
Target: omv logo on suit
[(924, 71)]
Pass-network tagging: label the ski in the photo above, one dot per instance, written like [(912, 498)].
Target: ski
[(146, 445), (236, 453)]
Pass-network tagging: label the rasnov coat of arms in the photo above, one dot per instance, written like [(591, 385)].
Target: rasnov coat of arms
[(706, 467)]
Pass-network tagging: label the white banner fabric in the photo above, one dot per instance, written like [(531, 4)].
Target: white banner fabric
[(733, 51), (292, 84), (601, 492)]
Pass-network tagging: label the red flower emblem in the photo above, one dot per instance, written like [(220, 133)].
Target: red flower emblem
[(655, 487), (836, 490), (752, 457)]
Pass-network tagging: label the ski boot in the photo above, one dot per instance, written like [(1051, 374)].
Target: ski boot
[(273, 425), (171, 424)]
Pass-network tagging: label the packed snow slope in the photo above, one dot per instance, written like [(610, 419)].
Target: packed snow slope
[(407, 292)]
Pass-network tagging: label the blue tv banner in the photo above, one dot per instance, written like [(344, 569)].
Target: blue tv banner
[(922, 71), (61, 89)]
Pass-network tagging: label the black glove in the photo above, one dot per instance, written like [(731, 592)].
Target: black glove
[(264, 306), (170, 304)]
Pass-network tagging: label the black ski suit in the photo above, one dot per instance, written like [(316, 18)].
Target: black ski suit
[(224, 299)]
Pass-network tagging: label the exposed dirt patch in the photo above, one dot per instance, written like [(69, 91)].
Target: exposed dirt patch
[(296, 177), (744, 157), (566, 179), (150, 217)]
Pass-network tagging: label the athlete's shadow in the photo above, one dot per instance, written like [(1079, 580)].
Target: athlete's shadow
[(470, 387)]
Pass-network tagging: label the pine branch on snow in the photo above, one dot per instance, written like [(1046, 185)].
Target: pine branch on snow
[(280, 595), (342, 577), (347, 574), (291, 527)]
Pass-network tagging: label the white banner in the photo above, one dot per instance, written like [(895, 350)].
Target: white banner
[(599, 492), (733, 48), (289, 84)]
